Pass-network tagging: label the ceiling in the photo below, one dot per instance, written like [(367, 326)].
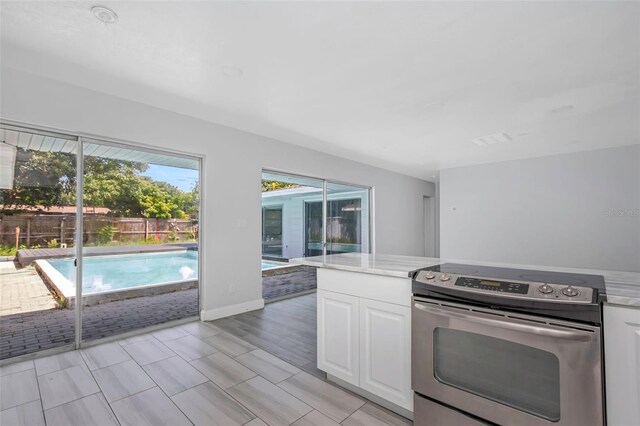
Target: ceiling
[(407, 86)]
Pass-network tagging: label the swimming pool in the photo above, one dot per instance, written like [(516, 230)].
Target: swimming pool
[(266, 265), (123, 276), (116, 272)]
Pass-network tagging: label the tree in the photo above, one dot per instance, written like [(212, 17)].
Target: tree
[(41, 179), (46, 179), (274, 185)]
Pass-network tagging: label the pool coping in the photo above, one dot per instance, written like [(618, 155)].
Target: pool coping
[(277, 270), (26, 256), (65, 290)]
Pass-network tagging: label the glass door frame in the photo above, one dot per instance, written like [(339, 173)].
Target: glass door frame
[(69, 136), (118, 143), (325, 183), (81, 138)]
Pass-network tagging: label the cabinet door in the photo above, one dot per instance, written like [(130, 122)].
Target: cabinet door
[(338, 328), (385, 351), (622, 365)]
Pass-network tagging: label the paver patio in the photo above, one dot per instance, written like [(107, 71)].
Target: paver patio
[(280, 286), (39, 330), (22, 290), (30, 321)]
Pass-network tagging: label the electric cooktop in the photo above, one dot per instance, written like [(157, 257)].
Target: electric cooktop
[(557, 294)]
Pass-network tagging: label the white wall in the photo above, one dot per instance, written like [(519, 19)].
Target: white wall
[(233, 164), (575, 210)]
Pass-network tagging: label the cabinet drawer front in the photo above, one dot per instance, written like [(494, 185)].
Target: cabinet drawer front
[(385, 351), (367, 286), (338, 325)]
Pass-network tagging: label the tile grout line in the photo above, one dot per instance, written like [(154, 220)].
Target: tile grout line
[(156, 383), (39, 393), (284, 390), (189, 362), (233, 398), (342, 422), (98, 383)]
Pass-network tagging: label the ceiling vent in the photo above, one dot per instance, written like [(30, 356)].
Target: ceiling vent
[(492, 139)]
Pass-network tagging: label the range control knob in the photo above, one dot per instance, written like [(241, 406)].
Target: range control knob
[(545, 289), (429, 275), (445, 277), (570, 291)]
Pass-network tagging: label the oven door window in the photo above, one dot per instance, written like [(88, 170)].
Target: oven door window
[(519, 376)]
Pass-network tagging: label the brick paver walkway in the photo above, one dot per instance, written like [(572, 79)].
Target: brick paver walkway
[(22, 290), (27, 332), (35, 331), (286, 284)]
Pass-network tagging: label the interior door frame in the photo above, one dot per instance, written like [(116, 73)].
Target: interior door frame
[(430, 226)]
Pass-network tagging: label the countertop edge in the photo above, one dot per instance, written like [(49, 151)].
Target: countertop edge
[(620, 291), (368, 270)]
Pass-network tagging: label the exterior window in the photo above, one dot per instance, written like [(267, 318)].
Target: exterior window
[(272, 231)]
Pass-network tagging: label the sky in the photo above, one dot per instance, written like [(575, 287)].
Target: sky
[(184, 179)]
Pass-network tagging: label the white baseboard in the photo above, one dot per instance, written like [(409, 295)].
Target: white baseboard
[(226, 311)]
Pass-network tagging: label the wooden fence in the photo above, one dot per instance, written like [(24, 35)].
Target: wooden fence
[(40, 230)]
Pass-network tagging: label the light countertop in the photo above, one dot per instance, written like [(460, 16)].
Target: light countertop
[(623, 288)]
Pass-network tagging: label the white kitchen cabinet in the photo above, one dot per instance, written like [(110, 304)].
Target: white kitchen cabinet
[(385, 351), (338, 335), (622, 364), (364, 334)]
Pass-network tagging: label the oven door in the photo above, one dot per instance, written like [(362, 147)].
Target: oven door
[(507, 369)]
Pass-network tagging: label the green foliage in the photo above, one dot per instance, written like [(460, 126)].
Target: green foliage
[(40, 179), (52, 244), (105, 234), (6, 250), (48, 179), (62, 303), (273, 185)]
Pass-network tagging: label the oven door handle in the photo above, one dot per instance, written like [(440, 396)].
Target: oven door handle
[(577, 335)]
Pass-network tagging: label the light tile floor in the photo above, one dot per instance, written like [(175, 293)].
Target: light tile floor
[(193, 374)]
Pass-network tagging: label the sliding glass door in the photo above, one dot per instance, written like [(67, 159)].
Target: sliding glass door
[(305, 217), (347, 218), (286, 231), (38, 177), (97, 239), (140, 247)]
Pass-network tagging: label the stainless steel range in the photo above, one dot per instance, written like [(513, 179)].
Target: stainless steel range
[(506, 346)]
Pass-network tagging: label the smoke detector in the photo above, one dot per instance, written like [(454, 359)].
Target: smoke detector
[(492, 139), (104, 14)]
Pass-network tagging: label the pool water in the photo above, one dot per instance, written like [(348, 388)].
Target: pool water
[(270, 265), (104, 273)]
